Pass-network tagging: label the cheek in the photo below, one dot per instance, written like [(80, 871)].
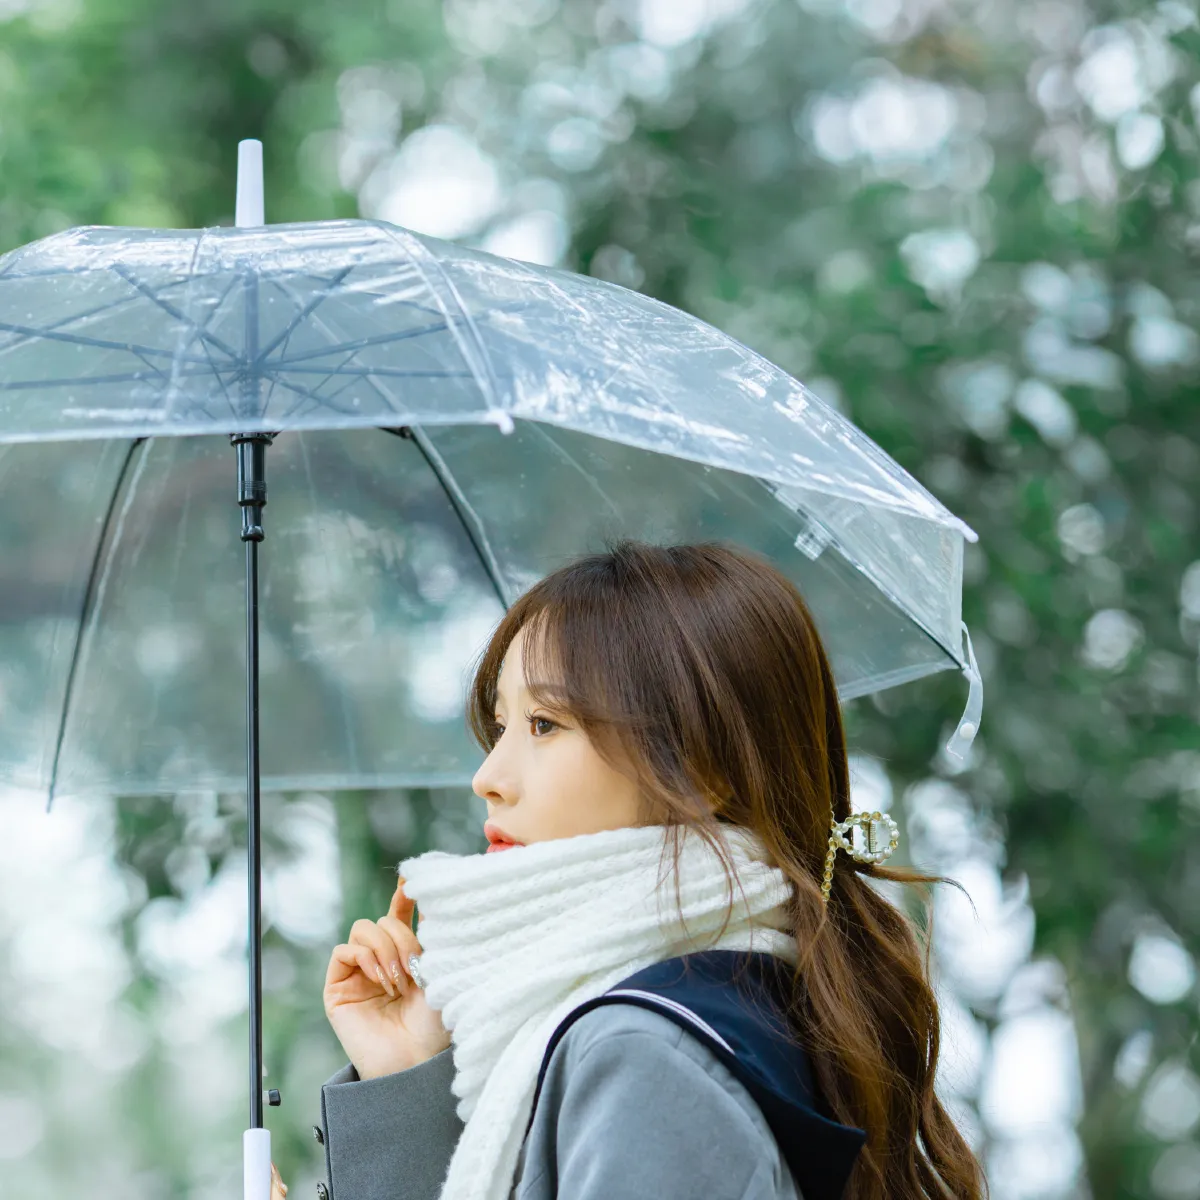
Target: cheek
[(561, 791), (607, 797)]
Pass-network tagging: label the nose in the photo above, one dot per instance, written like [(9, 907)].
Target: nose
[(492, 782)]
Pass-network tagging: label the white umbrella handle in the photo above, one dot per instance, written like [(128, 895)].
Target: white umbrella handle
[(256, 1164)]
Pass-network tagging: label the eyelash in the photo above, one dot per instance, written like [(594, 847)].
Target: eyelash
[(529, 719)]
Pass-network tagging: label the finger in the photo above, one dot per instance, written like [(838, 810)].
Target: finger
[(404, 943), (343, 962), (346, 959), (367, 933), (401, 906)]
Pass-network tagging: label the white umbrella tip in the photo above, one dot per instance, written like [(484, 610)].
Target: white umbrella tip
[(249, 184)]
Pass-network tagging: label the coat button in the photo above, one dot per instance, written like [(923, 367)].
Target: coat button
[(322, 1192), (318, 1134)]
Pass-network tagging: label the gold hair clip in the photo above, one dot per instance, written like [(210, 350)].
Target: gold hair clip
[(841, 837)]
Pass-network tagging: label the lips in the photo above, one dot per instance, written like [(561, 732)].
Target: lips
[(498, 838)]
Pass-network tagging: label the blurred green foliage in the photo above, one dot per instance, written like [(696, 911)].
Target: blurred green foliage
[(972, 226)]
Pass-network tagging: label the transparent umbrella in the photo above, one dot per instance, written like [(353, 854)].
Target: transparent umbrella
[(443, 428)]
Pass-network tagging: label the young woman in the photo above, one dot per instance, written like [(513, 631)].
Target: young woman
[(761, 1029)]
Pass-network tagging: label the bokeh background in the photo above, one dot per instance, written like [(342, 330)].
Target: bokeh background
[(970, 224)]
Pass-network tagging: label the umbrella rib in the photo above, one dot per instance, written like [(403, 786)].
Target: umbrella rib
[(78, 339), (212, 366), (83, 316), (483, 357), (391, 372), (156, 369), (172, 311), (81, 340), (317, 398), (224, 389), (361, 344), (305, 312), (201, 329), (66, 381), (336, 371), (438, 327), (462, 508), (304, 393), (89, 593), (329, 397), (349, 350)]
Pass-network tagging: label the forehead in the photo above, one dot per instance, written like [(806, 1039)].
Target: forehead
[(510, 677)]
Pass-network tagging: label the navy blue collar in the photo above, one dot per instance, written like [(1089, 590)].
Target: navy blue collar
[(733, 1001)]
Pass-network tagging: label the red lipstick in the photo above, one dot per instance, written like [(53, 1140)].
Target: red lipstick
[(497, 838)]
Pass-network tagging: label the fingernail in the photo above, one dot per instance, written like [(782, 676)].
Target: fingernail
[(387, 987), (396, 974)]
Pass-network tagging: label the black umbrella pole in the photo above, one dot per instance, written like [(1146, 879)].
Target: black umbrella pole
[(252, 496), (253, 837)]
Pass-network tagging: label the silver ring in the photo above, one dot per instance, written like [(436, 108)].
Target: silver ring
[(414, 969)]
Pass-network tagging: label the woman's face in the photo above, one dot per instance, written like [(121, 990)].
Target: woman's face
[(543, 778)]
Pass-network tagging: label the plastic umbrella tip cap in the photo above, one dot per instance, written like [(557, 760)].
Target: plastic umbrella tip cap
[(249, 184)]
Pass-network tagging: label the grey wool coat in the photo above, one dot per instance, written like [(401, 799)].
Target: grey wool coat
[(632, 1107)]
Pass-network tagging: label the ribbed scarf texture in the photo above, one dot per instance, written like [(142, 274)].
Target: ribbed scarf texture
[(513, 941)]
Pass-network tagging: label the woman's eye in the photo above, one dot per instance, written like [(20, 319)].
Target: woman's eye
[(538, 721)]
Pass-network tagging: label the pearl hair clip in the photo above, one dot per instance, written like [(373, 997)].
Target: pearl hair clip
[(841, 837)]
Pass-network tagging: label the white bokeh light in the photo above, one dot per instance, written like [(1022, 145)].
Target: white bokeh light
[(1032, 1092), (983, 936), (1032, 1079), (1046, 410), (893, 118), (540, 236), (1161, 968), (1170, 1107), (439, 183), (437, 674), (1122, 69), (21, 1125), (673, 22), (1110, 639), (1081, 531), (1160, 343), (302, 895), (941, 260), (1140, 139)]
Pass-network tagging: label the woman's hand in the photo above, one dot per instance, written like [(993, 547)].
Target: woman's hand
[(377, 1011), (278, 1187)]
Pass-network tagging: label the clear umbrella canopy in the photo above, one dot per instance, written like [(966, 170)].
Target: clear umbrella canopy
[(544, 412)]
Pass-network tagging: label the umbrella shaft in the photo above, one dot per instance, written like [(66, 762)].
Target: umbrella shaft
[(253, 838), (252, 497)]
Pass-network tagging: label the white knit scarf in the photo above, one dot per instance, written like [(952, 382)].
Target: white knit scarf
[(513, 941)]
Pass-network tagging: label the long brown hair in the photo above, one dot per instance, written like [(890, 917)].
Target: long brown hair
[(698, 669)]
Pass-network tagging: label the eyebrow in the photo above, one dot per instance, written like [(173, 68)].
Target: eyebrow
[(523, 690)]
